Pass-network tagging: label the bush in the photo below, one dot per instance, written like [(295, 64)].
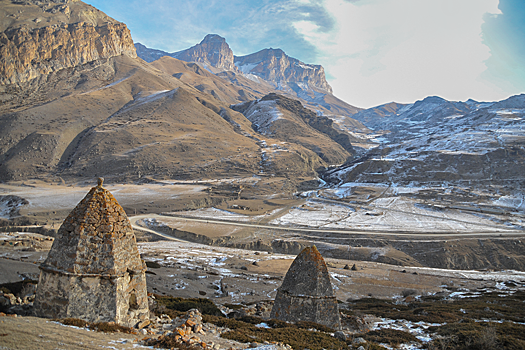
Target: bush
[(205, 306), (106, 327), (281, 331), (110, 327), (153, 264), (169, 342), (310, 325), (74, 322), (392, 337), (298, 339), (251, 319), (471, 335)]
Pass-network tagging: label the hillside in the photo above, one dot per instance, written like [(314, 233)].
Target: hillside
[(435, 140), (81, 105), (271, 70)]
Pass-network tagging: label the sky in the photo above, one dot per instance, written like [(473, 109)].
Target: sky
[(373, 51)]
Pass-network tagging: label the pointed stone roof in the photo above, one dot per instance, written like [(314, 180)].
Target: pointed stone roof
[(306, 293), (95, 239), (308, 275)]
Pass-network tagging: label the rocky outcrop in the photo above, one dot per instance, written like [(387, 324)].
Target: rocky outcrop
[(280, 69), (287, 120), (320, 123), (27, 52), (211, 51), (93, 270), (306, 293), (272, 65)]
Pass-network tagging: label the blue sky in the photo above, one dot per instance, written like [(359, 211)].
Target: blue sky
[(373, 51)]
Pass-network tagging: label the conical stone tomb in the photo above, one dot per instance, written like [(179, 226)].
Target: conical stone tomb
[(93, 270), (306, 293)]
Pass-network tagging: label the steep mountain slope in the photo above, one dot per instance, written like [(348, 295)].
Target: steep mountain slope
[(287, 120), (280, 69), (211, 51), (104, 112), (234, 88), (204, 81), (436, 141), (41, 37), (404, 121), (268, 67)]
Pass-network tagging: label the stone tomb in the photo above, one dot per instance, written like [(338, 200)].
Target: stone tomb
[(306, 293), (93, 270)]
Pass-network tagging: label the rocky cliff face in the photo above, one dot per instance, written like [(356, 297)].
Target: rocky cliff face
[(272, 65), (212, 51), (277, 67), (29, 50)]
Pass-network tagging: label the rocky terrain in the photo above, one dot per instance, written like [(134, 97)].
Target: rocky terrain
[(271, 68), (287, 120), (108, 113), (229, 166), (43, 37), (474, 145), (243, 284)]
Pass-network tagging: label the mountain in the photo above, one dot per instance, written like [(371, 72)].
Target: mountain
[(404, 121), (285, 72), (269, 67), (287, 120), (227, 87), (212, 51), (42, 37), (273, 66), (81, 104), (435, 141)]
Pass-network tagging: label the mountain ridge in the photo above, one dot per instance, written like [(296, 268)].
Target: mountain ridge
[(272, 67)]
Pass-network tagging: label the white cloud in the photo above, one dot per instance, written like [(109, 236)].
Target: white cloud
[(404, 50)]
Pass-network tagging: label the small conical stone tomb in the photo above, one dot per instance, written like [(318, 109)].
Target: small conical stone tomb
[(93, 270), (306, 293)]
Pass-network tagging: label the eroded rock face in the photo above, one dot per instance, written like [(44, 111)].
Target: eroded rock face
[(306, 293), (76, 36), (212, 50), (93, 270), (275, 66)]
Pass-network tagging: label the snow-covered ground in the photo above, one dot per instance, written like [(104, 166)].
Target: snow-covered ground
[(221, 214), (389, 214), (263, 114), (46, 197)]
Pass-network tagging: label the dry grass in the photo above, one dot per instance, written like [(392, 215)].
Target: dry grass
[(296, 335), (462, 329), (434, 309), (177, 306), (391, 337), (471, 335), (106, 327)]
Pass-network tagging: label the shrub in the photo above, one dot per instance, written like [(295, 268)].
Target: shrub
[(251, 319), (106, 327), (153, 264), (310, 325), (392, 337), (169, 342), (205, 306), (471, 335), (74, 322), (281, 331)]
